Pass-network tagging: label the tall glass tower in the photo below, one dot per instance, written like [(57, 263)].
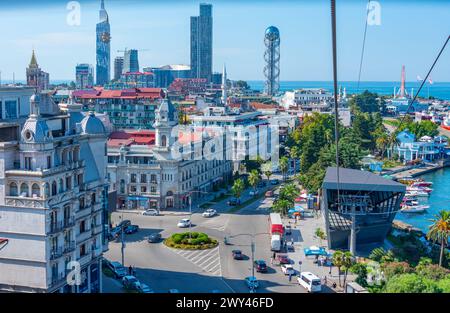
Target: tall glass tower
[(130, 61), (201, 43), (103, 68)]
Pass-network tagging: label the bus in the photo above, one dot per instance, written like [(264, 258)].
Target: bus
[(310, 282)]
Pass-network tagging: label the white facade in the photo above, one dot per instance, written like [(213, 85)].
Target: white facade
[(168, 174), (53, 204)]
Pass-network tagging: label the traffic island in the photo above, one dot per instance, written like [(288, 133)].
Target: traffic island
[(191, 241)]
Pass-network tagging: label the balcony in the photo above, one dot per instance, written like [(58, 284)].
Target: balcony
[(84, 259), (97, 207), (97, 229), (56, 253), (69, 222), (84, 235), (83, 212), (69, 247), (56, 227), (57, 280)]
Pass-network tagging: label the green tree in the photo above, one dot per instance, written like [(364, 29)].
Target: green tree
[(281, 206), (253, 178), (266, 168), (439, 231), (390, 269), (319, 233), (366, 102), (284, 164), (289, 192), (338, 261), (348, 260), (444, 285), (360, 269), (411, 283), (242, 84), (238, 187), (294, 153)]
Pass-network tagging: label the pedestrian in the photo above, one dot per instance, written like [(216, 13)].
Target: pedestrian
[(325, 279), (130, 270), (290, 277), (292, 241)]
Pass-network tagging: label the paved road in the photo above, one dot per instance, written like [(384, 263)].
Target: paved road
[(164, 268)]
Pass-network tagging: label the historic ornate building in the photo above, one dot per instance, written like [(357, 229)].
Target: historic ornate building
[(35, 76)]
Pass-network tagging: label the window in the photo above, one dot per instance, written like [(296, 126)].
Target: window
[(82, 227), (93, 198), (153, 189), (49, 161), (10, 109), (163, 141), (13, 191), (54, 189), (133, 178), (69, 182), (143, 178), (82, 204), (27, 163), (24, 190), (83, 251), (153, 178), (143, 189), (35, 190)]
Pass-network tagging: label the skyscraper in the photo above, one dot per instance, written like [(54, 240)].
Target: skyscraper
[(224, 85), (130, 61), (35, 76), (118, 67), (272, 59), (84, 76), (103, 47), (201, 43)]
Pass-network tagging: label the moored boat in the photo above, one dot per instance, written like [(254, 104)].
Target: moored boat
[(414, 208)]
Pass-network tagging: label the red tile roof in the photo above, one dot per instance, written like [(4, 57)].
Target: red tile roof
[(135, 93)]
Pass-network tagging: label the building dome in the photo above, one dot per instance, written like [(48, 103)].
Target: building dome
[(35, 130), (272, 33), (92, 125)]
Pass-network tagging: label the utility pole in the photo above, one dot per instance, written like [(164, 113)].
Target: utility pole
[(252, 265)]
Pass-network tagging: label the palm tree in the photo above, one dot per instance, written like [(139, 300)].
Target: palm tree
[(347, 262), (382, 142), (294, 153), (266, 168), (338, 261), (238, 187), (440, 231), (253, 178), (284, 163), (281, 206), (320, 234), (289, 193)]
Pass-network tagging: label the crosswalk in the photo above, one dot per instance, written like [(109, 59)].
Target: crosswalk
[(207, 260), (219, 223)]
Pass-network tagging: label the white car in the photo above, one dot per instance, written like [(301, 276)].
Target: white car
[(150, 212), (209, 213), (185, 222), (287, 269), (253, 192)]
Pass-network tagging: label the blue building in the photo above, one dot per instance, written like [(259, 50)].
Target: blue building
[(130, 61), (201, 43), (426, 148), (103, 47)]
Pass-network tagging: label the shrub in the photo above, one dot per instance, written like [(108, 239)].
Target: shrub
[(391, 269), (192, 241), (444, 284), (432, 271), (411, 283)]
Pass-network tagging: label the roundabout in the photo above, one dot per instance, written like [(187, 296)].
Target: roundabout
[(191, 241)]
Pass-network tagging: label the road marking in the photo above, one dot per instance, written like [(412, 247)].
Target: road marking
[(207, 260)]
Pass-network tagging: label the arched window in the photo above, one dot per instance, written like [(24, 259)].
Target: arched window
[(24, 190), (163, 141), (54, 189), (13, 192), (47, 190), (61, 185), (122, 186), (36, 190)]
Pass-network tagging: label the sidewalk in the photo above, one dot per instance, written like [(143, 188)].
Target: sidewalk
[(304, 237)]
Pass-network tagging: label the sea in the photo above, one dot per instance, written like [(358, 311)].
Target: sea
[(439, 199), (439, 90)]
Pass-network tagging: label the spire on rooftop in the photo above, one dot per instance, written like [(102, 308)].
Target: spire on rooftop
[(33, 62)]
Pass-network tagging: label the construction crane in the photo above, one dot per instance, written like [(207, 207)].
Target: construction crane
[(126, 49)]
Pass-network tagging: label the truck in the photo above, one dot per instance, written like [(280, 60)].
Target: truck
[(276, 231)]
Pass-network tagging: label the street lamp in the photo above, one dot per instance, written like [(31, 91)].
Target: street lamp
[(190, 208), (252, 245)]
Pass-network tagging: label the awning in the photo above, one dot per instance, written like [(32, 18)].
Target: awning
[(137, 198)]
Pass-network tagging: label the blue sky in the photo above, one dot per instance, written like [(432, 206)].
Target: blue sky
[(411, 33)]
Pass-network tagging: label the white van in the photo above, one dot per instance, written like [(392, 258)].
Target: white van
[(310, 282), (275, 243)]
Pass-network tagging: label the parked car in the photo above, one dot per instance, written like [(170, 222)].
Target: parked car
[(260, 266), (154, 238), (234, 202), (254, 192), (130, 282), (274, 182), (131, 229), (251, 282), (283, 259), (237, 254), (287, 269), (118, 269), (269, 194), (185, 222), (143, 288), (124, 223), (150, 212), (209, 213)]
